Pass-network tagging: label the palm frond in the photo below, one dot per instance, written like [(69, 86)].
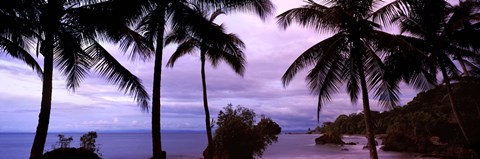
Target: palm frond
[(125, 12), (351, 75), (383, 83), (184, 48), (311, 56), (151, 23), (320, 18), (230, 50), (233, 55), (192, 26), (405, 58), (101, 23), (139, 45), (449, 65), (71, 59), (263, 8), (325, 78), (176, 36), (386, 14), (108, 67), (185, 18), (215, 14), (20, 53)]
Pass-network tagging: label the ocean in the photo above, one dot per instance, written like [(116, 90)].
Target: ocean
[(191, 145)]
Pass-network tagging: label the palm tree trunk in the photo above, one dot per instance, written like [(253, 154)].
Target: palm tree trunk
[(46, 103), (210, 147), (366, 112), (157, 81), (456, 114)]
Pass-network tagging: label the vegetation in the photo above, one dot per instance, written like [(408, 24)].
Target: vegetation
[(87, 150), (439, 36), (435, 38), (153, 17), (238, 136), (422, 124), (88, 141), (63, 142), (352, 56), (225, 47), (68, 34)]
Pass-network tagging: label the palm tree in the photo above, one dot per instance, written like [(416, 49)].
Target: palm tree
[(352, 56), (439, 35), (226, 47), (66, 34), (153, 17)]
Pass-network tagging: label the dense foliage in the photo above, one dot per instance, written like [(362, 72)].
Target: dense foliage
[(426, 124), (238, 136), (88, 141), (62, 150)]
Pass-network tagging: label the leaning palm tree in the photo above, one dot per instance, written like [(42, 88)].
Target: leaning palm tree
[(226, 47), (68, 34), (438, 35), (153, 17), (352, 56)]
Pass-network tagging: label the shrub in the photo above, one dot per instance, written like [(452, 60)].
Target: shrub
[(237, 136)]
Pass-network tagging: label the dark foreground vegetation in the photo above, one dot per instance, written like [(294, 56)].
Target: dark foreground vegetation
[(87, 149), (239, 136), (424, 125)]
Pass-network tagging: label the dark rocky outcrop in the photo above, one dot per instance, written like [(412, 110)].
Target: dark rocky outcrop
[(70, 153), (329, 139)]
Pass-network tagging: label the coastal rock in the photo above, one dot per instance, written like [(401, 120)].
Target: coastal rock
[(70, 153), (329, 139)]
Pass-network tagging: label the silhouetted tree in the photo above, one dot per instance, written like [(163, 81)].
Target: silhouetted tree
[(238, 136), (225, 47), (153, 17), (353, 55), (439, 35), (66, 33)]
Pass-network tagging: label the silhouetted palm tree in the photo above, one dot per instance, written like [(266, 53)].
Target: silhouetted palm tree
[(439, 35), (225, 47), (66, 33), (352, 56), (153, 17)]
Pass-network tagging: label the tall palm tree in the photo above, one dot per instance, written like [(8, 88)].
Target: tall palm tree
[(438, 36), (66, 34), (153, 17), (352, 56), (226, 47)]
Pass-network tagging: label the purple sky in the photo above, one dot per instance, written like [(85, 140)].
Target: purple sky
[(97, 105)]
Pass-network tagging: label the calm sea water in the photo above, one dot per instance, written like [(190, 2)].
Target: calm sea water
[(191, 145)]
